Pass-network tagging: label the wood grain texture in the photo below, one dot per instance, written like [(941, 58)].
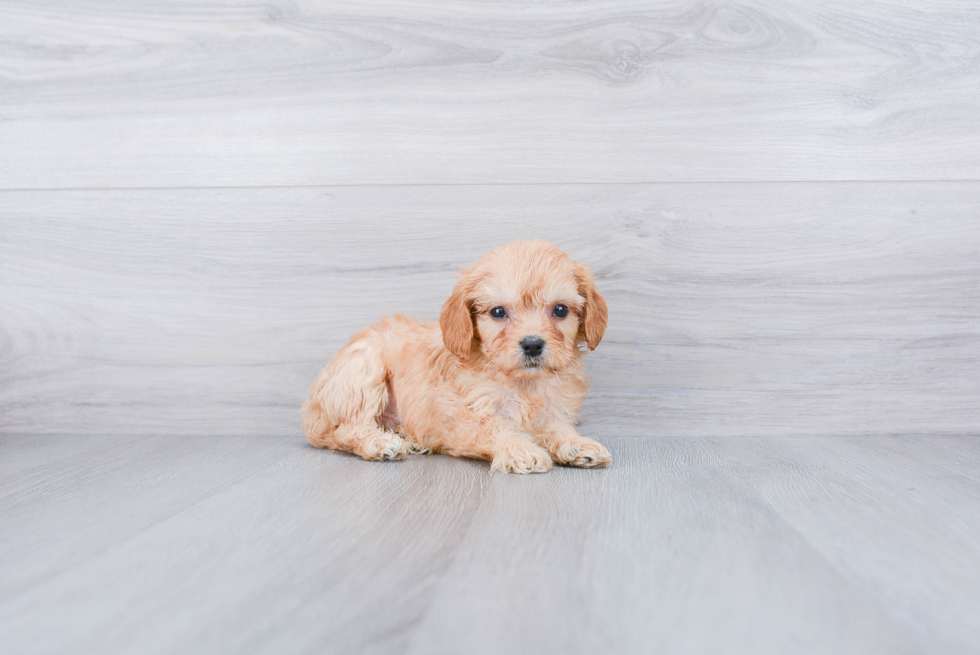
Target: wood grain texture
[(224, 93), (868, 504), (735, 309), (81, 500), (762, 545), (314, 553), (201, 200), (668, 552)]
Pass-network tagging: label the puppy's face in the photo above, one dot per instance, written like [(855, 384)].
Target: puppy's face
[(526, 308)]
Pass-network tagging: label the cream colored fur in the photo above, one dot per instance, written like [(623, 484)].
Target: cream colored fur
[(463, 386)]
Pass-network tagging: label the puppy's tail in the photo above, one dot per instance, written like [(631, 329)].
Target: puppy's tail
[(347, 397)]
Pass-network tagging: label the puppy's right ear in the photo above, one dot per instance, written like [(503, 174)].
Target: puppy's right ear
[(456, 319)]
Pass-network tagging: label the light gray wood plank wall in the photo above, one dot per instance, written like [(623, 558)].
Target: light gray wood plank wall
[(136, 304), (756, 309), (223, 92)]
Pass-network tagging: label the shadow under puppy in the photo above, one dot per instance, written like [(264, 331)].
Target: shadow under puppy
[(499, 378)]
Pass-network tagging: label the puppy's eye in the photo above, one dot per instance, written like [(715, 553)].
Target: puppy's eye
[(560, 311), (498, 312)]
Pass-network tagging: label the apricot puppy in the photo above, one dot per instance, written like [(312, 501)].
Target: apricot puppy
[(499, 378)]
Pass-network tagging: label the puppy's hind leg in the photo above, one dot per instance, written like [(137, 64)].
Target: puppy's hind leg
[(370, 442), (346, 402), (413, 447)]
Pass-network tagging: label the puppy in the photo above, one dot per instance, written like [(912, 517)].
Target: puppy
[(500, 378)]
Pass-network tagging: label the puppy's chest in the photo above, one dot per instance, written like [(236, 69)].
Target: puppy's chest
[(528, 404)]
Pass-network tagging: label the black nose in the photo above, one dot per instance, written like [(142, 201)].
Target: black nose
[(533, 346)]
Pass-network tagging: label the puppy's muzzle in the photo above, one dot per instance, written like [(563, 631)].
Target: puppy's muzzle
[(532, 347)]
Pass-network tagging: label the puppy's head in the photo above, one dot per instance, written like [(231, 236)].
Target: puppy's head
[(526, 308)]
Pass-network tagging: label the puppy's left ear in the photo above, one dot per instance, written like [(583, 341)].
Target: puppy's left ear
[(595, 312), (456, 319)]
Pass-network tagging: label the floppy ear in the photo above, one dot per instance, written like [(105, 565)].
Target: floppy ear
[(595, 313), (456, 320)]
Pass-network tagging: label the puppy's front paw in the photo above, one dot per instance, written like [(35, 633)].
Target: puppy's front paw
[(521, 458), (581, 452)]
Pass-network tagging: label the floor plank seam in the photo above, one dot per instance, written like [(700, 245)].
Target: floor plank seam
[(898, 623), (486, 481), (100, 551)]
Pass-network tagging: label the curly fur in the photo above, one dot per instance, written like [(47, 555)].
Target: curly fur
[(464, 386)]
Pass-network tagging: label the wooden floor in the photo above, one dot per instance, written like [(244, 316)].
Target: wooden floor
[(711, 545)]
